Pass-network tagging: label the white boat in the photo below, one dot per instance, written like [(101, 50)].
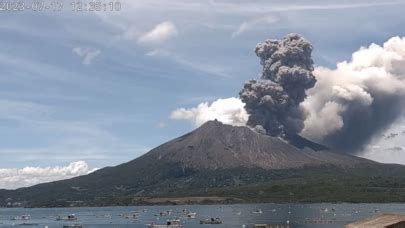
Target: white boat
[(191, 215), (164, 213), (104, 216), (257, 211), (22, 217), (28, 224), (133, 216), (71, 217), (211, 221), (72, 226), (175, 223)]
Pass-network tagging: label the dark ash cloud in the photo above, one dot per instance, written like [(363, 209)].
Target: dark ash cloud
[(273, 101), (343, 108)]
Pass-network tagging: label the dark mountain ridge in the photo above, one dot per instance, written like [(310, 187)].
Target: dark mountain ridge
[(232, 162)]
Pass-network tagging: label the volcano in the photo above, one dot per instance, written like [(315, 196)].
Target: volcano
[(216, 146), (233, 163)]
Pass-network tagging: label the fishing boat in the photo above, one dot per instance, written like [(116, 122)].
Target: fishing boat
[(211, 221), (175, 223), (164, 213), (270, 226), (28, 224), (133, 216), (71, 217), (257, 211), (22, 217), (72, 226), (191, 215)]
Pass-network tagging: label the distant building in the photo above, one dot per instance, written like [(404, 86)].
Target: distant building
[(14, 204), (17, 204), (380, 221)]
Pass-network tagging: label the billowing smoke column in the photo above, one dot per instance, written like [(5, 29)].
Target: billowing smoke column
[(358, 100), (343, 108), (273, 101)]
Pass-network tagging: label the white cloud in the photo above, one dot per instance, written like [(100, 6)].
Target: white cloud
[(228, 111), (158, 53), (86, 54), (28, 176), (160, 33), (249, 25)]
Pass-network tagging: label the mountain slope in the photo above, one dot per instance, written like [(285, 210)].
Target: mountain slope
[(218, 146), (234, 162)]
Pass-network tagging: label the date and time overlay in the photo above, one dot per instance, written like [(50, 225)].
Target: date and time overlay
[(59, 5)]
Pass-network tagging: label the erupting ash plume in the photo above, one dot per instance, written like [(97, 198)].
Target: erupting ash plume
[(359, 99), (273, 101), (343, 108)]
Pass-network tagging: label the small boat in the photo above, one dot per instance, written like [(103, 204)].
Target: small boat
[(211, 221), (133, 216), (270, 226), (71, 217), (191, 215), (164, 213), (175, 223), (22, 217), (72, 226), (29, 224), (257, 211), (104, 216)]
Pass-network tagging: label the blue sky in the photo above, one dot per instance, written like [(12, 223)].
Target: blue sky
[(100, 87)]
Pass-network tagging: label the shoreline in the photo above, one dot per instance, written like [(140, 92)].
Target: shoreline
[(190, 201)]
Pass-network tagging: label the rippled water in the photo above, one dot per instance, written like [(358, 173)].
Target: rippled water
[(298, 215)]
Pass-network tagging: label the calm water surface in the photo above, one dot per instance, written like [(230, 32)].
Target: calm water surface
[(298, 215)]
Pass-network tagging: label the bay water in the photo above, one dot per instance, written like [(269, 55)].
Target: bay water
[(236, 215)]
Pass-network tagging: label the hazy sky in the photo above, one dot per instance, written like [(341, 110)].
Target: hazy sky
[(100, 87)]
